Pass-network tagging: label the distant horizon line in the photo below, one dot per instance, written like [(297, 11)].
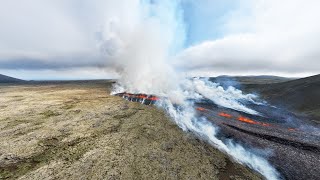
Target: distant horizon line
[(96, 79)]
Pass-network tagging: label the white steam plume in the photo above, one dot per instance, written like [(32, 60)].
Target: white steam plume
[(140, 50), (229, 98), (184, 116)]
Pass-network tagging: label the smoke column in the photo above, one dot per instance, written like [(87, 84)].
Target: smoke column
[(141, 46)]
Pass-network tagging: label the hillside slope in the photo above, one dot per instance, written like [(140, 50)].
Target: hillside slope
[(263, 79), (8, 79), (302, 95)]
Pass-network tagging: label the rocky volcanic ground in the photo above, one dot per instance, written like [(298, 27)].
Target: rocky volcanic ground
[(292, 150), (289, 140), (76, 130)]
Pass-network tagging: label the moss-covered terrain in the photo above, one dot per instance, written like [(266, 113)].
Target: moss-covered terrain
[(76, 130)]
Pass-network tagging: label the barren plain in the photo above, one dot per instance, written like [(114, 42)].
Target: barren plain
[(77, 130)]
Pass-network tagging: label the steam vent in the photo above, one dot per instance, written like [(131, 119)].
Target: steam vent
[(142, 98)]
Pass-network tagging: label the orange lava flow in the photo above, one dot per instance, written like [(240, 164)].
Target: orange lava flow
[(240, 118), (139, 96), (225, 115), (142, 96), (250, 121), (153, 98), (222, 114), (247, 120), (265, 124), (201, 109)]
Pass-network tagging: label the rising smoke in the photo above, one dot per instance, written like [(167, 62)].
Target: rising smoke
[(141, 50)]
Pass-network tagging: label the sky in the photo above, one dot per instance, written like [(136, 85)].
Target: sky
[(76, 39)]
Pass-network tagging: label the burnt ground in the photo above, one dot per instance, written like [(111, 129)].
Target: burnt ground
[(293, 143), (76, 130), (290, 140), (300, 95), (294, 137)]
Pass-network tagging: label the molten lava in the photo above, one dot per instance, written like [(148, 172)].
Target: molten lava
[(222, 114), (247, 120), (266, 124), (201, 109), (153, 98), (240, 118), (250, 121), (143, 98)]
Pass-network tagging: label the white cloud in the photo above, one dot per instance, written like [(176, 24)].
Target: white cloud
[(262, 37), (67, 35), (259, 36), (57, 34), (85, 73)]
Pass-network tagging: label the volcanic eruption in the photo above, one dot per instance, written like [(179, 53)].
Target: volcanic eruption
[(241, 125), (185, 115), (263, 133)]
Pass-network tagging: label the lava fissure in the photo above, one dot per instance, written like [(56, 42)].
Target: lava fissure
[(143, 98)]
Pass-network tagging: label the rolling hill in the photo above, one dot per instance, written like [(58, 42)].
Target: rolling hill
[(301, 95), (263, 79), (8, 79)]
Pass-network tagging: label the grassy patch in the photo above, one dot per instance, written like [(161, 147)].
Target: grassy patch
[(12, 122), (125, 114), (53, 149), (49, 113), (70, 104), (5, 119)]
